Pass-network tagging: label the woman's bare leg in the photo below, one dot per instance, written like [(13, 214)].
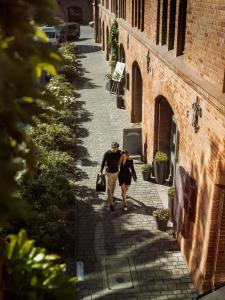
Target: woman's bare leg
[(124, 189)]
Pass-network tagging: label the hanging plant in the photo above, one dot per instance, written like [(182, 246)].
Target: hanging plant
[(113, 44)]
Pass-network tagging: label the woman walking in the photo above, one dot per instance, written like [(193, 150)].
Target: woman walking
[(126, 172)]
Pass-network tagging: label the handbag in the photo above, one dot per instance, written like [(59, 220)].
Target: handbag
[(101, 183)]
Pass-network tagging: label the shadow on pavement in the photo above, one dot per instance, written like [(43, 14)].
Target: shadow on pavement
[(84, 49)]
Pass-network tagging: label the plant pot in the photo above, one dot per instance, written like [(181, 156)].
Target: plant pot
[(120, 102), (161, 224), (146, 174), (160, 171), (108, 85), (170, 207)]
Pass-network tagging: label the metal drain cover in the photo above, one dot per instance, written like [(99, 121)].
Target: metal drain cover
[(120, 279), (119, 274)]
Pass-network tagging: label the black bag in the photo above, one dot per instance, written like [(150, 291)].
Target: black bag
[(101, 183)]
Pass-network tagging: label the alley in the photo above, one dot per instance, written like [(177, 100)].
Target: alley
[(124, 255)]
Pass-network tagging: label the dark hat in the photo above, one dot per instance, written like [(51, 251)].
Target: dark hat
[(115, 145)]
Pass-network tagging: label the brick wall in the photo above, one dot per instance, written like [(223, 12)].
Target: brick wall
[(205, 40), (176, 80)]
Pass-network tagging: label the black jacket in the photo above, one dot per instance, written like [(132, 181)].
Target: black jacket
[(111, 160), (126, 172)]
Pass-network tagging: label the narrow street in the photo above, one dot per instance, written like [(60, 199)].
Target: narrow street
[(124, 255)]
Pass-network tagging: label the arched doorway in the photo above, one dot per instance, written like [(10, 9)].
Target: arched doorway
[(103, 36), (107, 43), (136, 111), (166, 134)]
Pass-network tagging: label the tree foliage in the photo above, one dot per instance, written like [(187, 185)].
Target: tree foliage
[(33, 274), (24, 104), (24, 53)]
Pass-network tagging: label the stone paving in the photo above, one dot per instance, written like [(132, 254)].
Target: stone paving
[(124, 255)]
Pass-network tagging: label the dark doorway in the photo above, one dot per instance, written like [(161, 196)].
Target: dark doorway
[(75, 14), (136, 111), (166, 134)]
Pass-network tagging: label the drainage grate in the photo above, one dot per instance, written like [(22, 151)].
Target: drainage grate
[(119, 274)]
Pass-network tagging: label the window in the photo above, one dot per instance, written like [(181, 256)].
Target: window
[(164, 22), (158, 22), (138, 14), (122, 9), (181, 27), (172, 20), (133, 12), (171, 24), (107, 4), (114, 7), (142, 14)]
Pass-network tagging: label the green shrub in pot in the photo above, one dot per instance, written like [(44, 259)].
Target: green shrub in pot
[(160, 157), (171, 192), (160, 166), (162, 214)]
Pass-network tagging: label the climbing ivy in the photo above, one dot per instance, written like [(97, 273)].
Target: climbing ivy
[(113, 44)]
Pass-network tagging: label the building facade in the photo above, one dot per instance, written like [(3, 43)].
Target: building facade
[(76, 10), (175, 88)]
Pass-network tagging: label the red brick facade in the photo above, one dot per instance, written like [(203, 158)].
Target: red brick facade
[(185, 42)]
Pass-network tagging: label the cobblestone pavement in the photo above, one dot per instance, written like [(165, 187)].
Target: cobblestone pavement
[(124, 255)]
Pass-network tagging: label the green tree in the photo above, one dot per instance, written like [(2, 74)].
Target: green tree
[(24, 53)]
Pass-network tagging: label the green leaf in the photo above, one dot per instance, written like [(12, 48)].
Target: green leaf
[(28, 99), (39, 257), (55, 56), (41, 35), (5, 43), (26, 248), (11, 246), (47, 67), (52, 257), (34, 281), (21, 237)]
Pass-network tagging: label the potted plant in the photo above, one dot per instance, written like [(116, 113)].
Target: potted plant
[(171, 194), (146, 171), (162, 217), (160, 167), (109, 82), (120, 103)]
